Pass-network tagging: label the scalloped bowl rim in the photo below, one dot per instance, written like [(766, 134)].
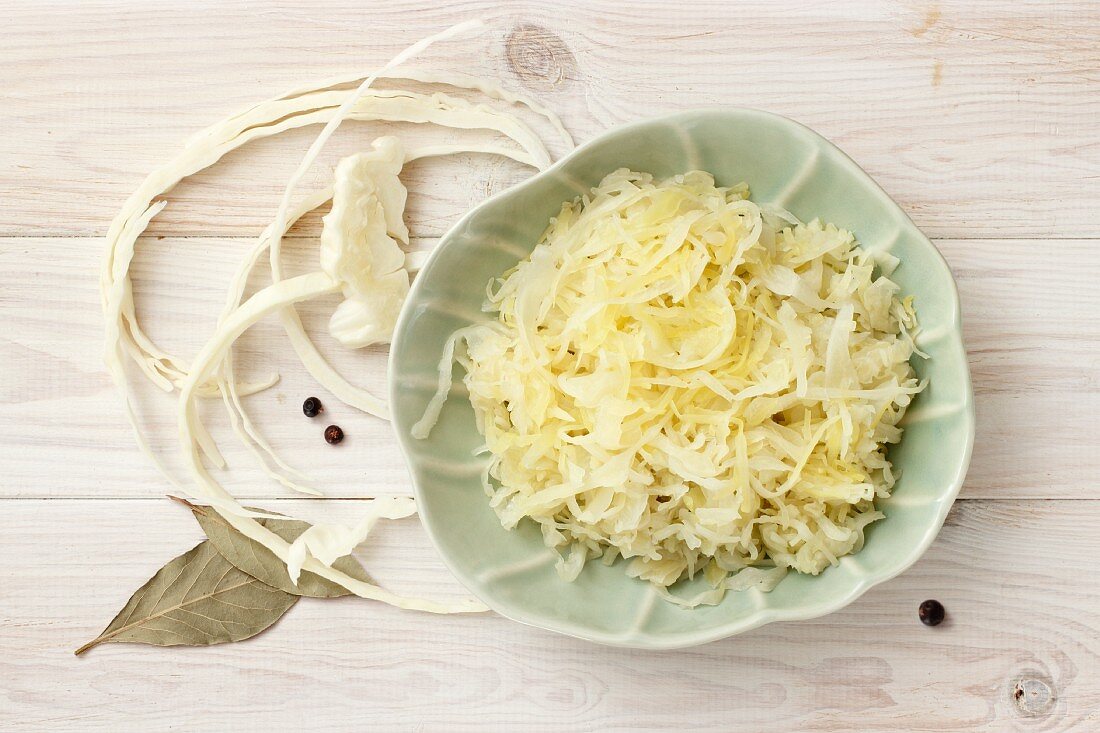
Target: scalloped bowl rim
[(759, 616)]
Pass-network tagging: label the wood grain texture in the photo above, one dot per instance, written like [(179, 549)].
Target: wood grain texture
[(1019, 608), (981, 117)]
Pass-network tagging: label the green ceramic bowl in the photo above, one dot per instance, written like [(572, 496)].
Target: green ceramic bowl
[(783, 163)]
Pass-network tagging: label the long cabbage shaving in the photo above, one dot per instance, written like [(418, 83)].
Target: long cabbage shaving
[(268, 118), (304, 106), (212, 373), (263, 303), (124, 334), (348, 263), (680, 379)]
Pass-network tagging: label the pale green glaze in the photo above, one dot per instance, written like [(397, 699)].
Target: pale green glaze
[(783, 163)]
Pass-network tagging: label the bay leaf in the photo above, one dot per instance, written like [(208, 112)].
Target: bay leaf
[(261, 563), (199, 598)]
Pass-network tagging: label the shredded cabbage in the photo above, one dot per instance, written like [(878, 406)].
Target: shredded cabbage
[(679, 378), (359, 256)]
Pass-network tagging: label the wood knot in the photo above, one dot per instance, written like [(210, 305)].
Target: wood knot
[(1033, 697), (538, 57)]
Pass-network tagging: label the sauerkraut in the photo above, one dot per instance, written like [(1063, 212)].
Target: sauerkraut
[(697, 384)]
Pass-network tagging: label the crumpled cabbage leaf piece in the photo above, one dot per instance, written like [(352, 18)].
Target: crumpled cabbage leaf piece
[(359, 244), (330, 542)]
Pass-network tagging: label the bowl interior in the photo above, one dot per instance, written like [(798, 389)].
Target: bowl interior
[(783, 163)]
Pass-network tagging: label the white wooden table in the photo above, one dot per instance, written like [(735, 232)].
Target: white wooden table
[(981, 117)]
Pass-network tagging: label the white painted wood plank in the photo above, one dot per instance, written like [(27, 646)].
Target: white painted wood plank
[(1019, 605), (980, 117), (1029, 315)]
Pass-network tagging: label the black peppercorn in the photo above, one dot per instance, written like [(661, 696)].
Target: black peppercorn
[(312, 407), (333, 434), (931, 613)]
